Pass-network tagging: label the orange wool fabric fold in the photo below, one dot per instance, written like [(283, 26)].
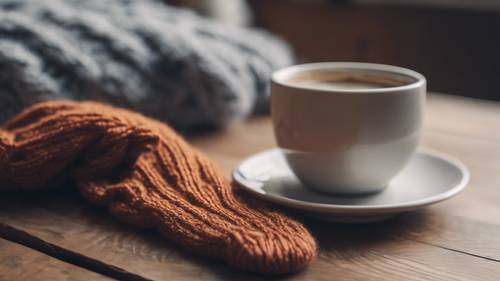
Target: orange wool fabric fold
[(148, 176)]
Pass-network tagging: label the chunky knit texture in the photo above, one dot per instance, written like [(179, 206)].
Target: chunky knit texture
[(165, 62), (148, 176)]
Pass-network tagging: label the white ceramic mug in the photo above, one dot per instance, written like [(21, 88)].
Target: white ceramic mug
[(347, 128)]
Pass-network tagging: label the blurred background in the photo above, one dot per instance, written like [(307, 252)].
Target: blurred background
[(455, 43), (194, 73)]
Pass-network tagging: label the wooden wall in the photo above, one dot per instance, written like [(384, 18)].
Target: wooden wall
[(458, 50)]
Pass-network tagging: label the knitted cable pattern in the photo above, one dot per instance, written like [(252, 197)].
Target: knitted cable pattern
[(148, 176), (165, 62)]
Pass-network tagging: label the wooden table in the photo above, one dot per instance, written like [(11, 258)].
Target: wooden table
[(455, 240)]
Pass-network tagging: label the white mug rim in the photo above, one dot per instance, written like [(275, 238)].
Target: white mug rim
[(281, 76)]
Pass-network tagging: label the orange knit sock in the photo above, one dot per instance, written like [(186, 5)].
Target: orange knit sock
[(148, 176)]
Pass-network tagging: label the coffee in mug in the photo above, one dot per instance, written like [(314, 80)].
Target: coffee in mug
[(347, 128)]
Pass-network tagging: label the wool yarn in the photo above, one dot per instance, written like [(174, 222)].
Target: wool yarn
[(167, 63), (148, 176)]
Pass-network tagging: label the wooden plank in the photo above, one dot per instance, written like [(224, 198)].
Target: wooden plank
[(437, 228), (463, 116), (237, 142), (19, 263), (367, 246), (376, 252), (479, 201)]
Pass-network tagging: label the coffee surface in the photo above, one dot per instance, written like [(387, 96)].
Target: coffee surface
[(335, 85), (345, 81)]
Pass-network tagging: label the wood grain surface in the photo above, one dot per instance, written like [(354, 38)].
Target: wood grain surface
[(455, 240), (21, 263), (455, 48)]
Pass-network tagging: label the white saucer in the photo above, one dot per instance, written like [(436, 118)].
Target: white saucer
[(430, 177)]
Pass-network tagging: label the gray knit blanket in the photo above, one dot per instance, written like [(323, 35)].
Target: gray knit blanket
[(165, 62)]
